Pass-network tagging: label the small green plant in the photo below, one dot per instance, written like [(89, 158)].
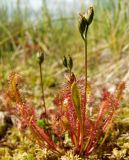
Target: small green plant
[(71, 115)]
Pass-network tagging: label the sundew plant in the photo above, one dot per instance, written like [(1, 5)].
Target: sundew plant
[(71, 116)]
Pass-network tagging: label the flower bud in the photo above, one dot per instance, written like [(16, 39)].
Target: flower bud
[(85, 21), (89, 15), (65, 61), (40, 56), (70, 62), (82, 25)]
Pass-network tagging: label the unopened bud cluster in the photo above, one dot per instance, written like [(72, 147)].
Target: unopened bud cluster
[(86, 20), (68, 62), (40, 56)]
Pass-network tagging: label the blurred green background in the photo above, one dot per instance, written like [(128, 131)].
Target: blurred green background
[(26, 27)]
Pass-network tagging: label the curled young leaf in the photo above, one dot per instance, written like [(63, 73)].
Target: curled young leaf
[(76, 99)]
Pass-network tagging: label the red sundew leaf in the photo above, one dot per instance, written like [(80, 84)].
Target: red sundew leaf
[(89, 124), (66, 108), (72, 118), (57, 126), (13, 88), (42, 135), (107, 122), (84, 102), (26, 114), (64, 102), (68, 112), (107, 109), (105, 94), (119, 90)]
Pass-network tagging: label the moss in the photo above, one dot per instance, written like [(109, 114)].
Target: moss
[(70, 156)]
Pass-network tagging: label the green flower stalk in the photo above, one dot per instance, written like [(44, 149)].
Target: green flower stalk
[(40, 56), (86, 20)]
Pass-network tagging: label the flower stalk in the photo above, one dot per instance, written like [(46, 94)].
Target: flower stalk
[(40, 56), (86, 20)]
